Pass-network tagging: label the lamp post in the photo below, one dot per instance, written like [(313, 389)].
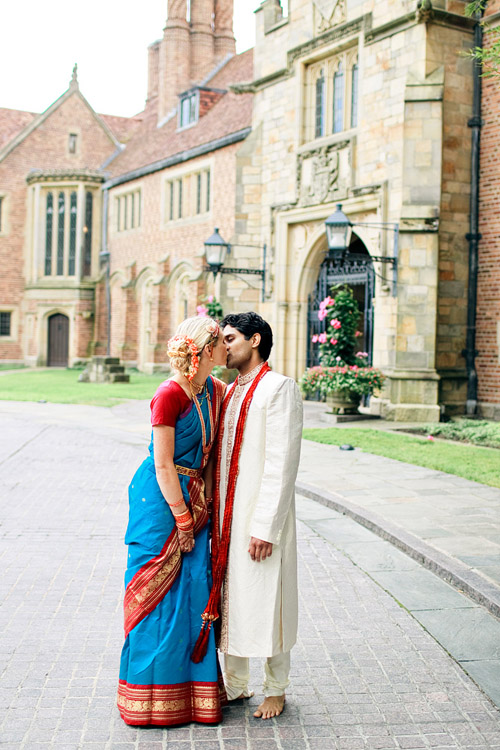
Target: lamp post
[(216, 250), (339, 231), (105, 257)]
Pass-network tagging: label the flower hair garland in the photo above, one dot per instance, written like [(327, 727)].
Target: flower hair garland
[(174, 352), (213, 329)]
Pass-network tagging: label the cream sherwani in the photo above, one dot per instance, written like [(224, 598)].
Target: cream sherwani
[(259, 606)]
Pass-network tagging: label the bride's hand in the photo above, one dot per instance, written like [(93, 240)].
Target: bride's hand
[(186, 540)]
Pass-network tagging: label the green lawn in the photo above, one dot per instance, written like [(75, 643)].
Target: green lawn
[(62, 387), (468, 461)]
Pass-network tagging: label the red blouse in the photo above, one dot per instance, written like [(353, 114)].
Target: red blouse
[(168, 403)]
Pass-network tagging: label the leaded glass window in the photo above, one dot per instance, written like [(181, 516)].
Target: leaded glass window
[(320, 120), (61, 215), (5, 320), (87, 242), (49, 218), (72, 234), (354, 95), (338, 99), (179, 199), (198, 193)]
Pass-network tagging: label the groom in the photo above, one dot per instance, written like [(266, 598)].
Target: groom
[(258, 458)]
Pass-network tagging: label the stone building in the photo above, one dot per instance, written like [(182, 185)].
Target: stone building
[(488, 291), (147, 190), (365, 103)]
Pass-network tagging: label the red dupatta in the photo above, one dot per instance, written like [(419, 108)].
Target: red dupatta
[(220, 542)]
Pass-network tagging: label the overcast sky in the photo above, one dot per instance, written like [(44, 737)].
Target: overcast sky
[(40, 40)]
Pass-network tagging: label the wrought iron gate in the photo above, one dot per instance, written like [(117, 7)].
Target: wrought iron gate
[(357, 272)]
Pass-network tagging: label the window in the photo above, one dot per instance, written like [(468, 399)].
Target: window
[(62, 242), (72, 234), (198, 193), (128, 211), (72, 143), (354, 95), (333, 88), (60, 233), (320, 105), (188, 196), (188, 109), (87, 234), (338, 99), (5, 323), (49, 216)]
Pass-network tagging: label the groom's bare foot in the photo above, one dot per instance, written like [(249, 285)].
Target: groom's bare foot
[(270, 706), (242, 696)]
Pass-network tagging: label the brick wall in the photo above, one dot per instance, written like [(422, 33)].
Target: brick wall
[(159, 255), (46, 148), (488, 307)]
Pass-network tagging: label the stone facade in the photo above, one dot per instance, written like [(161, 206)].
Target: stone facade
[(360, 102), (400, 155)]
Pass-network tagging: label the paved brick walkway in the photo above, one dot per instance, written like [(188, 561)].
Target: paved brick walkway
[(365, 673)]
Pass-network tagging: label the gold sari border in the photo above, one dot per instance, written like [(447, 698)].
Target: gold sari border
[(165, 705)]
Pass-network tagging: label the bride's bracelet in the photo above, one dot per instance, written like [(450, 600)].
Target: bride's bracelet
[(175, 505), (184, 521)]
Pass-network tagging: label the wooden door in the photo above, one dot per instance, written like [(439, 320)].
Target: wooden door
[(58, 341)]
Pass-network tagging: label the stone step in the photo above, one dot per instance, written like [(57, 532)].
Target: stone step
[(117, 377), (106, 360)]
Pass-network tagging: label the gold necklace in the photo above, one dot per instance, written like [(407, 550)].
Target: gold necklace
[(205, 446)]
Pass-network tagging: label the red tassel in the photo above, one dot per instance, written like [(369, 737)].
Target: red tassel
[(201, 645)]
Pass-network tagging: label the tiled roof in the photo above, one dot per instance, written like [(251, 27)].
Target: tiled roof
[(233, 112), (122, 127), (12, 121)]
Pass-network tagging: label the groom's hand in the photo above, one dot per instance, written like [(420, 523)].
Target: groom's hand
[(259, 550)]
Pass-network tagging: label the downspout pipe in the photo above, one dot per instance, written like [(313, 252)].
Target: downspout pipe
[(473, 236)]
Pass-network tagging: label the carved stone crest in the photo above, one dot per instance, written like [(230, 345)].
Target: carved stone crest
[(320, 174), (326, 16)]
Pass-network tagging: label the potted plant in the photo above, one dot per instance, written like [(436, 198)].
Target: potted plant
[(343, 376)]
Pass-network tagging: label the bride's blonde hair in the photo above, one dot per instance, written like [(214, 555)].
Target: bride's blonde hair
[(190, 338)]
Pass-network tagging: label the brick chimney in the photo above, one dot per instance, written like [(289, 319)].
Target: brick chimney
[(224, 43), (202, 39), (153, 69), (174, 67)]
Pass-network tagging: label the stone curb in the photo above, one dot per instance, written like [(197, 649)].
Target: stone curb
[(452, 571)]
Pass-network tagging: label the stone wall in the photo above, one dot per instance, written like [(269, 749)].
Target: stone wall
[(397, 165)]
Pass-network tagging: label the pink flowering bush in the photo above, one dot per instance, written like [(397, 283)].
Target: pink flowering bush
[(341, 315), (341, 368), (210, 307)]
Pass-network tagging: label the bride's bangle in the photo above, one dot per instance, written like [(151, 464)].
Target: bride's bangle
[(184, 521)]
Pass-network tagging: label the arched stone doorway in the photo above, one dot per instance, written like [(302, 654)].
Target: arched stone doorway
[(58, 340), (355, 270)]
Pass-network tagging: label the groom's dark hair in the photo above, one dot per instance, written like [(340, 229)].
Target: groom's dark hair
[(249, 323)]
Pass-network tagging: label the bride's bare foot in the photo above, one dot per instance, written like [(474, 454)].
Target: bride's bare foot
[(270, 706)]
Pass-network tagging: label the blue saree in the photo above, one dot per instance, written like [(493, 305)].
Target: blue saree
[(165, 593)]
